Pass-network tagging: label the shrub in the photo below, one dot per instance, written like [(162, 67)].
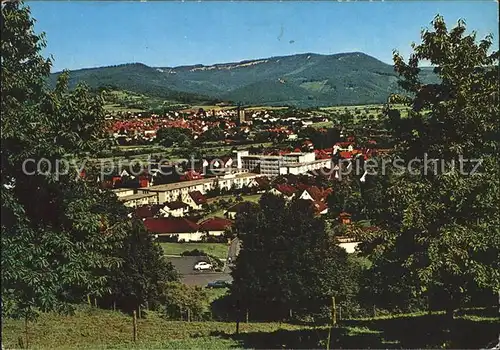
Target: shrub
[(194, 252), (180, 300)]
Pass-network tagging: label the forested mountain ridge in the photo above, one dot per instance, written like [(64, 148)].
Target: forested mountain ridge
[(302, 80)]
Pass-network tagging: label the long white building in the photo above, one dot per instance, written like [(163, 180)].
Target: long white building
[(291, 163), (179, 190)]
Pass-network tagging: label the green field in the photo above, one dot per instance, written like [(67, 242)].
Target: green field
[(216, 249), (322, 125), (92, 328)]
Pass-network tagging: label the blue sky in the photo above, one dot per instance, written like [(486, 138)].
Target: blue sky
[(90, 34)]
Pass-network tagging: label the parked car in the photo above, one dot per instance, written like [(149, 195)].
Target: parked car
[(218, 284), (203, 265)]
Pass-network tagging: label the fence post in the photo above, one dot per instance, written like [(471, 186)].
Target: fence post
[(237, 316), (189, 315), (95, 303), (340, 313), (334, 321), (374, 311), (134, 323), (26, 330), (334, 312), (88, 300)]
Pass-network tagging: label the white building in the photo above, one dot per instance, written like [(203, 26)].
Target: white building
[(180, 190), (139, 199), (291, 163)]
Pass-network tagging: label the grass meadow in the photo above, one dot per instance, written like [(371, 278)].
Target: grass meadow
[(92, 328)]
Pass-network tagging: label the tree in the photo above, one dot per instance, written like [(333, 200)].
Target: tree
[(288, 263), (61, 235), (140, 279), (171, 136), (442, 230), (213, 134), (182, 301)]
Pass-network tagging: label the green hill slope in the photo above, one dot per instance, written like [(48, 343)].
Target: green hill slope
[(300, 80)]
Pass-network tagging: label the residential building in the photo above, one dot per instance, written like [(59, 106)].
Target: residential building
[(284, 190), (195, 200), (182, 228), (139, 199), (180, 190), (123, 192), (174, 209)]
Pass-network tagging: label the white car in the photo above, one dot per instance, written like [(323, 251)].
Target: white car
[(202, 265)]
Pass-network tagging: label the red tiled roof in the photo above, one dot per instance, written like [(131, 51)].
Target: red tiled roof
[(191, 175), (198, 197), (287, 190), (215, 224), (319, 206), (262, 181), (345, 154), (176, 205), (315, 193), (170, 225)]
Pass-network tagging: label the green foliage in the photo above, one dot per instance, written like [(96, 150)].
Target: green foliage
[(178, 298), (440, 236), (144, 271), (54, 247), (213, 134), (135, 77), (168, 137), (287, 262), (61, 235)]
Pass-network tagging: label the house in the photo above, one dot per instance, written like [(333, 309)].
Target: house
[(284, 190), (345, 218), (349, 244), (191, 175), (237, 208), (195, 200), (215, 226), (261, 183), (320, 208), (176, 209), (182, 228), (314, 193), (343, 146)]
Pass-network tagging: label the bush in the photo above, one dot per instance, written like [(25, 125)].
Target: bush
[(180, 300), (168, 239), (194, 252)]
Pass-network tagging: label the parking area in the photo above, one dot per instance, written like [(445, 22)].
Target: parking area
[(191, 277)]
